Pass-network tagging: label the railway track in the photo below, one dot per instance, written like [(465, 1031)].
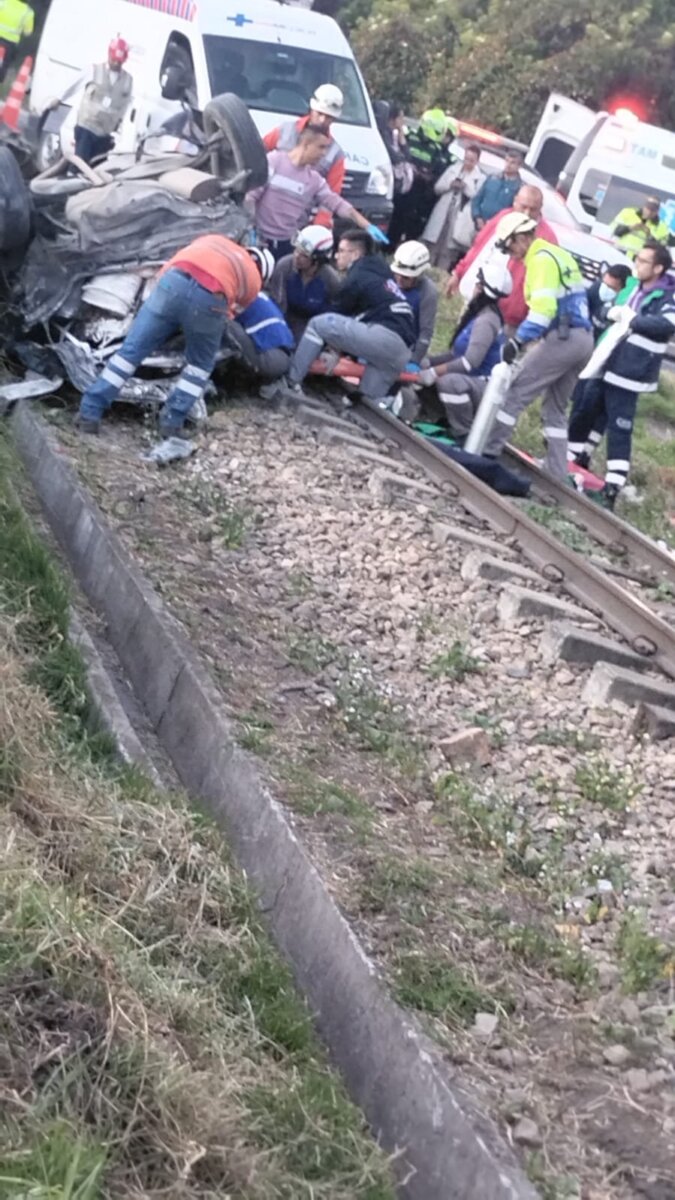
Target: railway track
[(637, 622)]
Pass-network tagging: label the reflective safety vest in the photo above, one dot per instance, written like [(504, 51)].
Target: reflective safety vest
[(17, 21), (105, 100), (289, 136), (555, 292), (632, 241)]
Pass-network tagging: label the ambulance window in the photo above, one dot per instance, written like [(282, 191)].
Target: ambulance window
[(603, 195), (277, 78), (551, 158)]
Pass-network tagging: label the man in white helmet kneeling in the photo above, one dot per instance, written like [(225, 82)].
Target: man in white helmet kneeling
[(325, 107), (411, 262)]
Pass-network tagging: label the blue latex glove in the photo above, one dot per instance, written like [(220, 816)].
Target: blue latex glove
[(412, 368), (377, 235)]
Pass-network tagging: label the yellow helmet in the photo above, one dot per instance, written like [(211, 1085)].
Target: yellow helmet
[(434, 124)]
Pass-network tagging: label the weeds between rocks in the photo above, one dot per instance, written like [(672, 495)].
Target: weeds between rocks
[(151, 1042), (484, 896)]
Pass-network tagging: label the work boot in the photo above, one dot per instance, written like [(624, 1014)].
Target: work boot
[(606, 497), (170, 427), (87, 424), (582, 459), (283, 390)]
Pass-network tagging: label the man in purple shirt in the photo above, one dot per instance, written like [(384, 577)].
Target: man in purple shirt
[(293, 189)]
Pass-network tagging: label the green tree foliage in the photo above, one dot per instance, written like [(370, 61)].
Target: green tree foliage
[(495, 61)]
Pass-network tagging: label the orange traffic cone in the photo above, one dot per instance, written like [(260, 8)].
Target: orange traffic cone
[(10, 113)]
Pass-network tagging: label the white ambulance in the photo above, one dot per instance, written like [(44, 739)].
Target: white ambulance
[(272, 55), (602, 162)]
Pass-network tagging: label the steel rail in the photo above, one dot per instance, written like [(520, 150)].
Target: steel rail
[(643, 630), (609, 529)]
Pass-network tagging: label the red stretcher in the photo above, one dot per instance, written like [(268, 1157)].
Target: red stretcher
[(346, 368)]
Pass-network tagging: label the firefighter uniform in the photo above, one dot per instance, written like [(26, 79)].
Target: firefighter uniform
[(558, 321)]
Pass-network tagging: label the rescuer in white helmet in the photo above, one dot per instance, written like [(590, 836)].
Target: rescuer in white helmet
[(411, 262), (304, 283), (325, 107)]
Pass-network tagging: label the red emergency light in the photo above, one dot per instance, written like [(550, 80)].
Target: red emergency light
[(481, 135), (629, 110)]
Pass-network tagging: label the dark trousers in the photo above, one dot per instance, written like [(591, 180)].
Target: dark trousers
[(603, 405), (89, 146), (10, 49)]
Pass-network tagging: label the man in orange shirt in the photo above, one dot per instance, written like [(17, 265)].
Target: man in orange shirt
[(325, 107), (527, 200), (198, 291)]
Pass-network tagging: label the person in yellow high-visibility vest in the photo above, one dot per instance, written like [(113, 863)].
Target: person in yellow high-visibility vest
[(638, 224), (17, 21)]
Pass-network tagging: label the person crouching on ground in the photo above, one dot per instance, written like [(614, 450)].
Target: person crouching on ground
[(295, 187), (462, 372), (372, 321), (198, 291)]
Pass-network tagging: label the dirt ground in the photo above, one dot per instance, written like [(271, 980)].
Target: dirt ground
[(523, 907)]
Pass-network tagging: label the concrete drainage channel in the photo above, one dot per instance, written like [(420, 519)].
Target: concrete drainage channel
[(447, 1150)]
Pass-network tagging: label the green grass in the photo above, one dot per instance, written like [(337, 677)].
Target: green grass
[(643, 959), (158, 1045), (455, 663), (313, 795), (398, 887), (599, 783), (539, 949), (434, 984)]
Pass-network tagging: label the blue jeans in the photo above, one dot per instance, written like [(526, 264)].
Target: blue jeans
[(178, 303)]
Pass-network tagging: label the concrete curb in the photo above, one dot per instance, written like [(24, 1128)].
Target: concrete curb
[(393, 1071)]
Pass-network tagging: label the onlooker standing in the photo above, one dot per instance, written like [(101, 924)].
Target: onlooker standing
[(647, 308), (498, 191), (17, 21), (411, 261), (294, 187), (513, 307), (458, 185), (105, 100), (636, 225)]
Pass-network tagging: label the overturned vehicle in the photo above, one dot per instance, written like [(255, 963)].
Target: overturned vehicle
[(86, 242)]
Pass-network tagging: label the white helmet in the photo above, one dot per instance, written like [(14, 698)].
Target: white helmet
[(264, 261), (510, 225), (316, 241), (495, 278), (328, 99), (411, 259)]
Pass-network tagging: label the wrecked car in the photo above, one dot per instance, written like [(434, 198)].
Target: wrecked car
[(88, 240)]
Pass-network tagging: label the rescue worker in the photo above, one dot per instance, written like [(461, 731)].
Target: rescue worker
[(372, 321), (294, 186), (460, 375), (262, 339), (198, 291), (601, 294), (498, 191), (304, 283), (17, 21), (632, 368), (105, 100), (529, 201), (634, 226), (559, 323), (325, 107), (428, 149), (411, 261)]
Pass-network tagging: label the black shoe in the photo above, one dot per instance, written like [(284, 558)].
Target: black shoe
[(583, 459), (606, 497), (87, 425)]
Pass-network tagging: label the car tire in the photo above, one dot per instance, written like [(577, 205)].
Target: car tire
[(15, 208), (242, 148)]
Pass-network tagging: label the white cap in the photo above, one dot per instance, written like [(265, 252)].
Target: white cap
[(411, 259), (328, 99)]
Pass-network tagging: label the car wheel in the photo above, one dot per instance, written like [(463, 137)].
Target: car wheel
[(242, 148), (15, 208)]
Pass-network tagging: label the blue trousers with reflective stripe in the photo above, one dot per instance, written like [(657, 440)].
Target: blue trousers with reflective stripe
[(604, 405), (177, 304)]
